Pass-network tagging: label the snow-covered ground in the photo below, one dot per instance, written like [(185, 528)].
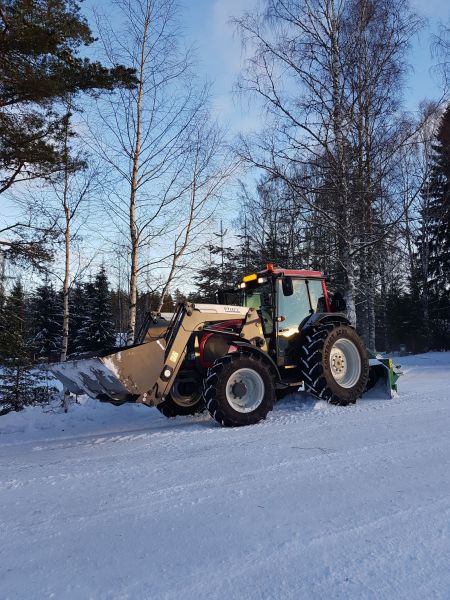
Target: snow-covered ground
[(316, 502)]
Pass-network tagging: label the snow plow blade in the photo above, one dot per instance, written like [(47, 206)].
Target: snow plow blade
[(383, 375), (118, 377)]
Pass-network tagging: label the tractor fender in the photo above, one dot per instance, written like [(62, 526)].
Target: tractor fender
[(240, 345), (317, 318)]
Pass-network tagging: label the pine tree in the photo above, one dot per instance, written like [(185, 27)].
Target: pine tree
[(40, 45), (46, 318)]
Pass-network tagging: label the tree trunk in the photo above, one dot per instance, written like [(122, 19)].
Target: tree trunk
[(134, 234), (65, 336), (349, 296), (133, 285), (179, 251), (371, 319), (67, 220)]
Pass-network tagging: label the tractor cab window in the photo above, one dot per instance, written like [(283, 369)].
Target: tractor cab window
[(260, 298), (316, 294)]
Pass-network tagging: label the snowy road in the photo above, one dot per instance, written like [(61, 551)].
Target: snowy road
[(316, 502)]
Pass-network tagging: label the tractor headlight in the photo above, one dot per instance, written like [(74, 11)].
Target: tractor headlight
[(166, 373)]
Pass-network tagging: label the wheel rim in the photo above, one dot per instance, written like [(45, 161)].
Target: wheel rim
[(245, 390), (185, 392), (345, 363)]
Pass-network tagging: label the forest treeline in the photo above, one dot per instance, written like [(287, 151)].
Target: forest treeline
[(31, 331), (110, 154), (409, 264)]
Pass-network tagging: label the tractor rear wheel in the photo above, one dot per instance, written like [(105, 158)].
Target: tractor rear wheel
[(335, 364), (239, 389), (185, 397)]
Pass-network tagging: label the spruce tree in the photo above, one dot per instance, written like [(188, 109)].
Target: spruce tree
[(16, 381), (119, 300), (168, 304), (435, 245), (96, 331), (103, 335), (77, 316), (222, 271), (82, 333), (46, 321), (178, 296)]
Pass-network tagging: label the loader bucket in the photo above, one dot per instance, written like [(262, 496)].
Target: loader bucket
[(383, 375), (118, 377)]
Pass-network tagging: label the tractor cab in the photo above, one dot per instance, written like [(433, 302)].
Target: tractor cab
[(285, 300)]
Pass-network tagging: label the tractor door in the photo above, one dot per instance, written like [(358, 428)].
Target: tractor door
[(304, 298), (261, 299)]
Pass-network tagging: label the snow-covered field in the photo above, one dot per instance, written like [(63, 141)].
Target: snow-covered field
[(316, 502)]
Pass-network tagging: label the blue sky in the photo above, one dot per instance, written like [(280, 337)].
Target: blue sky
[(207, 23), (207, 26), (219, 51)]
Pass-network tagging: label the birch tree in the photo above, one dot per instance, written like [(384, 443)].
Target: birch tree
[(209, 167), (441, 51), (414, 229), (64, 204), (297, 71), (71, 193), (328, 74), (144, 132)]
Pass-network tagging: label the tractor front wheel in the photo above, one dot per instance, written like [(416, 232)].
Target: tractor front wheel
[(185, 397), (335, 364), (239, 389)]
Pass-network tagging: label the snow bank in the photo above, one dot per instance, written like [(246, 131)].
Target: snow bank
[(89, 416), (86, 417)]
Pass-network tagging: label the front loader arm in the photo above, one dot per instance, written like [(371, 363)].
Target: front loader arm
[(188, 319)]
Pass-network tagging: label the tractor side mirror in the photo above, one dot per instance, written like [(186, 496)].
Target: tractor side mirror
[(287, 286)]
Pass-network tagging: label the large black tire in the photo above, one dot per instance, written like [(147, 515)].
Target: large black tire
[(239, 389), (334, 363), (183, 401)]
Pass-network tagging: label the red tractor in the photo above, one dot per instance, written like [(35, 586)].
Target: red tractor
[(237, 357)]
